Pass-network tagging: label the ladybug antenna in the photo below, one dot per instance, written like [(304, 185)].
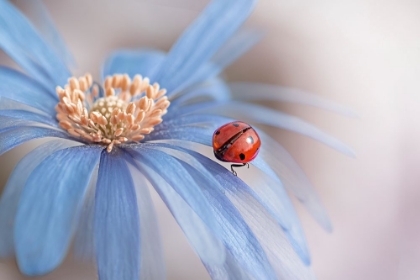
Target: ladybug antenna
[(237, 165)]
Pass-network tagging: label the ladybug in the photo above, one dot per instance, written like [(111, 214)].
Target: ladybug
[(236, 142)]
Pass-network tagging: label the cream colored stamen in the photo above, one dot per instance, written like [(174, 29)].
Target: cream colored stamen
[(129, 110)]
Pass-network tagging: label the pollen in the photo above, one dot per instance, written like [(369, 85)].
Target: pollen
[(121, 111)]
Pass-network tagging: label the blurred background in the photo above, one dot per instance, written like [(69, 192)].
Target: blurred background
[(361, 53)]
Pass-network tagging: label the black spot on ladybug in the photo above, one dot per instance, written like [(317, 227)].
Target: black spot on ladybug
[(241, 156), (217, 132), (250, 140), (236, 124)]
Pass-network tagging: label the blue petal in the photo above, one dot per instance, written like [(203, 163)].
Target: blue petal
[(266, 191), (258, 114), (8, 123), (284, 260), (214, 90), (253, 91), (13, 189), (84, 247), (174, 174), (152, 264), (292, 176), (199, 120), (270, 235), (116, 220), (132, 62), (201, 75), (202, 40), (230, 270), (43, 22), (239, 44), (231, 229), (49, 208), (228, 53), (23, 115), (211, 251), (200, 128), (15, 137), (19, 87), (193, 133), (21, 42), (9, 104)]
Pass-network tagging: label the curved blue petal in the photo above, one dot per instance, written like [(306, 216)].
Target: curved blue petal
[(19, 87), (152, 264), (49, 207), (21, 42), (9, 104), (292, 176), (257, 214), (218, 262), (174, 174), (43, 22), (116, 220), (8, 123), (144, 62), (13, 189), (29, 117), (201, 40), (235, 234), (200, 128), (15, 137), (258, 114), (266, 191), (284, 260), (244, 91), (210, 250)]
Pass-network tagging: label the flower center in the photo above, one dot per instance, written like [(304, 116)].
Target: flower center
[(127, 111)]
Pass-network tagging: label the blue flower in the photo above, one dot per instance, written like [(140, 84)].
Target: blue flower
[(106, 142)]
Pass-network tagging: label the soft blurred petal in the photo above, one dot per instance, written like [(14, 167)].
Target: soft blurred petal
[(152, 264), (21, 88), (49, 207), (21, 42), (84, 247), (258, 114), (293, 178), (214, 90), (235, 47), (43, 22), (17, 136), (132, 62), (245, 91), (201, 41), (13, 189)]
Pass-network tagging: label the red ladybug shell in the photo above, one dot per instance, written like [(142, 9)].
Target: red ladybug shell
[(236, 142)]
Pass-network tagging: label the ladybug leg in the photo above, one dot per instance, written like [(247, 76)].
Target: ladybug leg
[(237, 165)]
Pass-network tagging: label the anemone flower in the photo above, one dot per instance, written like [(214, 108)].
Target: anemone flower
[(105, 142)]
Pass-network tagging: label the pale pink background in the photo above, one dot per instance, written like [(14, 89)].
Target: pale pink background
[(363, 53)]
